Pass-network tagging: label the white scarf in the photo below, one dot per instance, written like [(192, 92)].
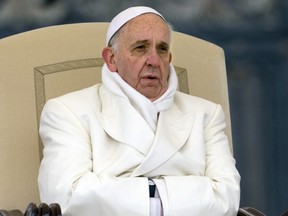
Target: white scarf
[(147, 109)]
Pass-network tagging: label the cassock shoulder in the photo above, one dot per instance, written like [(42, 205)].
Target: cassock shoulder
[(188, 103)]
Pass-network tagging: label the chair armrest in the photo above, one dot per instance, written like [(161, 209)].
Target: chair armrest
[(43, 209), (285, 213), (248, 211), (32, 209), (55, 209), (11, 213)]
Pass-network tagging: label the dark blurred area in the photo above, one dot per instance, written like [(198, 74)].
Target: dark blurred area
[(254, 36)]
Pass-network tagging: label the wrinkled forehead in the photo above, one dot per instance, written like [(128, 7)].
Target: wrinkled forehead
[(145, 19), (144, 27), (125, 16)]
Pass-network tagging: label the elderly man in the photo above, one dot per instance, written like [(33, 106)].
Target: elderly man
[(134, 145)]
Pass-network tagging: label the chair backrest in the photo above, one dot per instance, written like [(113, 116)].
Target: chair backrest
[(48, 62)]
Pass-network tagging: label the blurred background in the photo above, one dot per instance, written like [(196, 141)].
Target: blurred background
[(254, 36)]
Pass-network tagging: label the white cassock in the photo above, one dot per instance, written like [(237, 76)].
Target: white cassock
[(99, 152)]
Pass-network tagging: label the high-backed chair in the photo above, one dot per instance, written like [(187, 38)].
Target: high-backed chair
[(48, 62)]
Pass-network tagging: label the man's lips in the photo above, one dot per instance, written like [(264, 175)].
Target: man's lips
[(150, 80), (152, 77)]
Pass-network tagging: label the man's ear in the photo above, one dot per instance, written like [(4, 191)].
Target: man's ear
[(108, 56), (170, 57)]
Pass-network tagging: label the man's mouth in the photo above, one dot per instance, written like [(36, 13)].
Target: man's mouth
[(151, 77)]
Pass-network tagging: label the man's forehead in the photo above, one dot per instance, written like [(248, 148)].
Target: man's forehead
[(145, 26), (144, 19)]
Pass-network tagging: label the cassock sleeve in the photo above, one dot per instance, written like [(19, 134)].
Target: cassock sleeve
[(215, 193), (66, 172)]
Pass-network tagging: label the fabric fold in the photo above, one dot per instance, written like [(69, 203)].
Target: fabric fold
[(147, 109)]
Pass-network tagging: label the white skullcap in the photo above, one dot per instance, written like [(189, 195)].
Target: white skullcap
[(123, 17)]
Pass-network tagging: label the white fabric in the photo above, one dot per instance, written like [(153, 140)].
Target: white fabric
[(155, 202), (162, 192), (155, 207), (126, 15), (147, 109), (99, 153)]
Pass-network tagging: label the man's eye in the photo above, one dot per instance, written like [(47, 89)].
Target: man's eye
[(141, 47), (163, 48)]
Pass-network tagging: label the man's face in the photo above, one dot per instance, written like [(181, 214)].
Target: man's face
[(143, 55)]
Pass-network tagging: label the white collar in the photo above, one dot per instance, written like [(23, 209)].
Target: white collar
[(147, 109)]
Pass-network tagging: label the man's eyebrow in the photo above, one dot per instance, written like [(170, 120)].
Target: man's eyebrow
[(139, 42), (164, 43)]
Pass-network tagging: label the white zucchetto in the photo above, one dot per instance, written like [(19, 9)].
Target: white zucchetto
[(123, 17)]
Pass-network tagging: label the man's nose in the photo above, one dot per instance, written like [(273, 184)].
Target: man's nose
[(153, 58)]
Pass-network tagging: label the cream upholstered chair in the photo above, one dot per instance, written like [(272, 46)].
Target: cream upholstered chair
[(48, 62), (35, 66)]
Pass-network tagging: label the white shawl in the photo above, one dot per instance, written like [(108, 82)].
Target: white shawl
[(147, 109)]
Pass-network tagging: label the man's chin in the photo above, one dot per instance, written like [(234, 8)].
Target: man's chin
[(152, 93)]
